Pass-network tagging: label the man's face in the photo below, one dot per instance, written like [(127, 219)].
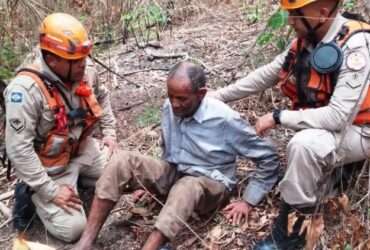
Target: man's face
[(184, 101), (71, 70), (295, 19)]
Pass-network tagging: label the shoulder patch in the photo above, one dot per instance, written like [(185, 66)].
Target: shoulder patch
[(356, 61), (16, 97)]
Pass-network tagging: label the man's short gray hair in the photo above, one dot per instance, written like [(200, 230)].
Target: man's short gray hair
[(194, 72)]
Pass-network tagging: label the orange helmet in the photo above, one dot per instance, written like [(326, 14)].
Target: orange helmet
[(294, 4), (64, 36)]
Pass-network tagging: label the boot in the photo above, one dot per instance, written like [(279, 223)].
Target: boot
[(279, 238), (23, 209)]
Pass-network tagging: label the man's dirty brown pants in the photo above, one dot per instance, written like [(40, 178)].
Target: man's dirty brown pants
[(127, 171)]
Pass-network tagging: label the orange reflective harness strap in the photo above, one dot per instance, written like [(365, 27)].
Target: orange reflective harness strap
[(322, 85), (54, 153), (58, 148)]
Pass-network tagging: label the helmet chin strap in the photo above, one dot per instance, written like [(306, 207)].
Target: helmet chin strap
[(69, 76), (67, 79), (311, 35)]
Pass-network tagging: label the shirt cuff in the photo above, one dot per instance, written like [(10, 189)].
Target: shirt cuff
[(254, 194), (290, 118)]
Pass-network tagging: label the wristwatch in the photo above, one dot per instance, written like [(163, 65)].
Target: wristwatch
[(276, 116)]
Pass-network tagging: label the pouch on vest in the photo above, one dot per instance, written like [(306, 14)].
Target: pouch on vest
[(326, 58)]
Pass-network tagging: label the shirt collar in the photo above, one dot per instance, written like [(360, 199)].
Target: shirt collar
[(334, 29), (199, 115)]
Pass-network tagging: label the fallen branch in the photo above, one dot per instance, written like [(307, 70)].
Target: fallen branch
[(144, 70), (152, 55), (113, 72), (128, 107), (5, 210)]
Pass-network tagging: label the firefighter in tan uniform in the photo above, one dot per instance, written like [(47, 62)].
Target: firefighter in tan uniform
[(52, 108), (325, 73)]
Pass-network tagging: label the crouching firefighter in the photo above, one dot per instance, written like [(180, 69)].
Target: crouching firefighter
[(52, 109), (325, 73)]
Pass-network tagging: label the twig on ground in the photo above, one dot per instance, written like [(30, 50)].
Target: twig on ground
[(5, 223), (3, 171), (5, 210), (152, 55), (6, 239), (128, 107), (6, 195), (144, 70), (273, 98), (360, 201), (360, 176), (114, 72)]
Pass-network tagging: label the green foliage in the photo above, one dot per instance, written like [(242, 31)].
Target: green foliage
[(278, 20), (274, 29), (347, 247), (350, 5), (144, 21), (150, 115), (8, 60)]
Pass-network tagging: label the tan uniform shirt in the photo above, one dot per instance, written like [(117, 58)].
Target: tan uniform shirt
[(29, 119), (346, 94)]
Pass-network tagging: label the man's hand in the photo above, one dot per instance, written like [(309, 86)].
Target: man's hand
[(236, 211), (67, 199), (111, 143), (264, 124)]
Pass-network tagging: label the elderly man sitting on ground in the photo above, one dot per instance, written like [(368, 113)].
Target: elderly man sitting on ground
[(202, 138)]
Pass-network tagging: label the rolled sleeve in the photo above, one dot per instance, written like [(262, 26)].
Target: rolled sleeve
[(254, 193), (255, 82), (246, 143)]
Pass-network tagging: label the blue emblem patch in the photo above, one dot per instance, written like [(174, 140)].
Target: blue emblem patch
[(16, 97)]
